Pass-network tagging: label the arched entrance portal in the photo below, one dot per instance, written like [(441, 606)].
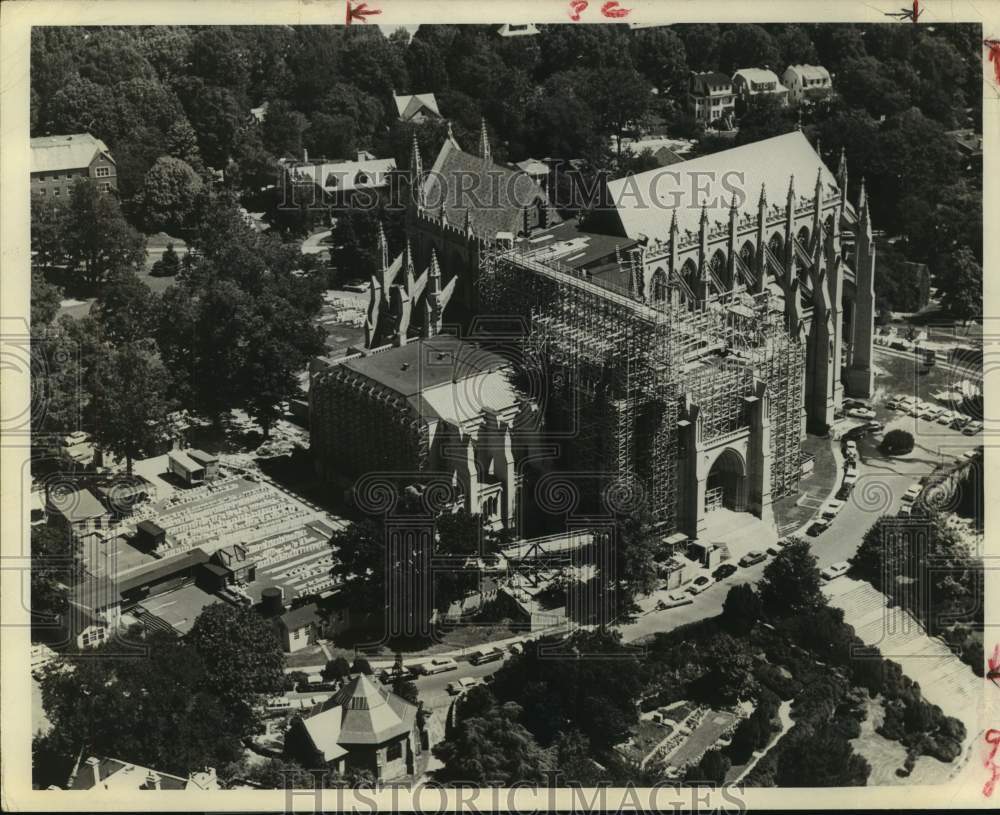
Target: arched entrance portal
[(726, 485)]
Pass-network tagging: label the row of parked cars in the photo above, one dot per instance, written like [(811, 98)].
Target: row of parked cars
[(912, 406), (685, 596)]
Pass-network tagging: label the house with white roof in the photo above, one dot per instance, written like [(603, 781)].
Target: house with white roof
[(749, 83), (807, 82), (57, 161)]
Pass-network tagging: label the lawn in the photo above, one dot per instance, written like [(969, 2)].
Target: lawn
[(703, 738)]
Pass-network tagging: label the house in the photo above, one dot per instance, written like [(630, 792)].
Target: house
[(665, 157), (710, 97), (970, 145), (749, 83), (185, 468), (297, 628), (417, 107), (120, 776), (535, 169), (57, 161), (518, 30), (807, 83), (257, 114), (362, 726), (78, 512), (339, 183)]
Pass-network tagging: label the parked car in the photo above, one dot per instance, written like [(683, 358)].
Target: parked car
[(960, 421), (835, 571), (752, 557), (358, 286), (905, 510), (699, 584), (946, 418), (783, 542), (912, 492), (854, 403), (676, 598), (724, 571), (831, 509), (845, 491), (850, 477), (929, 414), (970, 454), (972, 428), (892, 404), (818, 527), (462, 685), (437, 665), (482, 657), (851, 449), (517, 648), (773, 551), (861, 413), (873, 427)]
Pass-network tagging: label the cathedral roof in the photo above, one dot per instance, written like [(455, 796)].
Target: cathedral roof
[(646, 202), (493, 195)]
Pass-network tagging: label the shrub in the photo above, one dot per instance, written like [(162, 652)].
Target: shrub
[(897, 443)]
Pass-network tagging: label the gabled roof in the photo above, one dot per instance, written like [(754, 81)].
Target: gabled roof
[(703, 83), (493, 195), (343, 176), (646, 202), (759, 76), (54, 153), (324, 732), (408, 106), (809, 71), (296, 618)]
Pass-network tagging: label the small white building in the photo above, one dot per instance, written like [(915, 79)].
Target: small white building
[(749, 83), (807, 82)]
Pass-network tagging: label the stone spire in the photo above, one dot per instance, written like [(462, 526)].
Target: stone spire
[(468, 221), (674, 234), (383, 249), (485, 153), (417, 171), (762, 200), (451, 135), (842, 170), (434, 309), (864, 216)]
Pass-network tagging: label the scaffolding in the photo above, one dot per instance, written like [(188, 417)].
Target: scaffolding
[(619, 369)]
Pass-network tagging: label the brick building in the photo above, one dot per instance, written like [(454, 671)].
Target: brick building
[(57, 161)]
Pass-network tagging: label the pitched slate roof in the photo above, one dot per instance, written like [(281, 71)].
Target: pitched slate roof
[(71, 152), (760, 76), (646, 202), (324, 732), (493, 195), (120, 775), (344, 176), (703, 83), (369, 714)]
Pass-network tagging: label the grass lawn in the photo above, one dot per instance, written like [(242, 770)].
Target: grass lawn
[(705, 735), (313, 655)]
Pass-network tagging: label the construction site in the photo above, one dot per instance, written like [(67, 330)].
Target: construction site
[(682, 410)]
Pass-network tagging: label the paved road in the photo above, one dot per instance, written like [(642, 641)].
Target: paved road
[(313, 244)]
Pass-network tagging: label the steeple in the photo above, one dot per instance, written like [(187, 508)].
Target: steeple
[(485, 153), (790, 201), (842, 179), (732, 206), (468, 221), (417, 172), (450, 134), (864, 216), (383, 250), (762, 200)]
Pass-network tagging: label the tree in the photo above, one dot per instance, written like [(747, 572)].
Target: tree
[(962, 286), (701, 43), (98, 237), (710, 769), (332, 136), (765, 117), (170, 192), (747, 46), (659, 54), (741, 608), (619, 98), (897, 443), (242, 654), (169, 263), (820, 757), (492, 747), (282, 774), (636, 544), (54, 564), (125, 309), (590, 683), (172, 721), (48, 233), (282, 129), (791, 582), (45, 300), (361, 666), (336, 668), (128, 400)]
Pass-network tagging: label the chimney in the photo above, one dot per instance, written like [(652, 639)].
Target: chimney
[(152, 780), (95, 768), (305, 156)]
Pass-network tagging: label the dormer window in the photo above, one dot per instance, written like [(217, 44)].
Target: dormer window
[(332, 180)]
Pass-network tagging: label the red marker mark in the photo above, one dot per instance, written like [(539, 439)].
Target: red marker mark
[(994, 48), (578, 7), (916, 11), (992, 738), (613, 10), (360, 12), (993, 673), (912, 14)]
